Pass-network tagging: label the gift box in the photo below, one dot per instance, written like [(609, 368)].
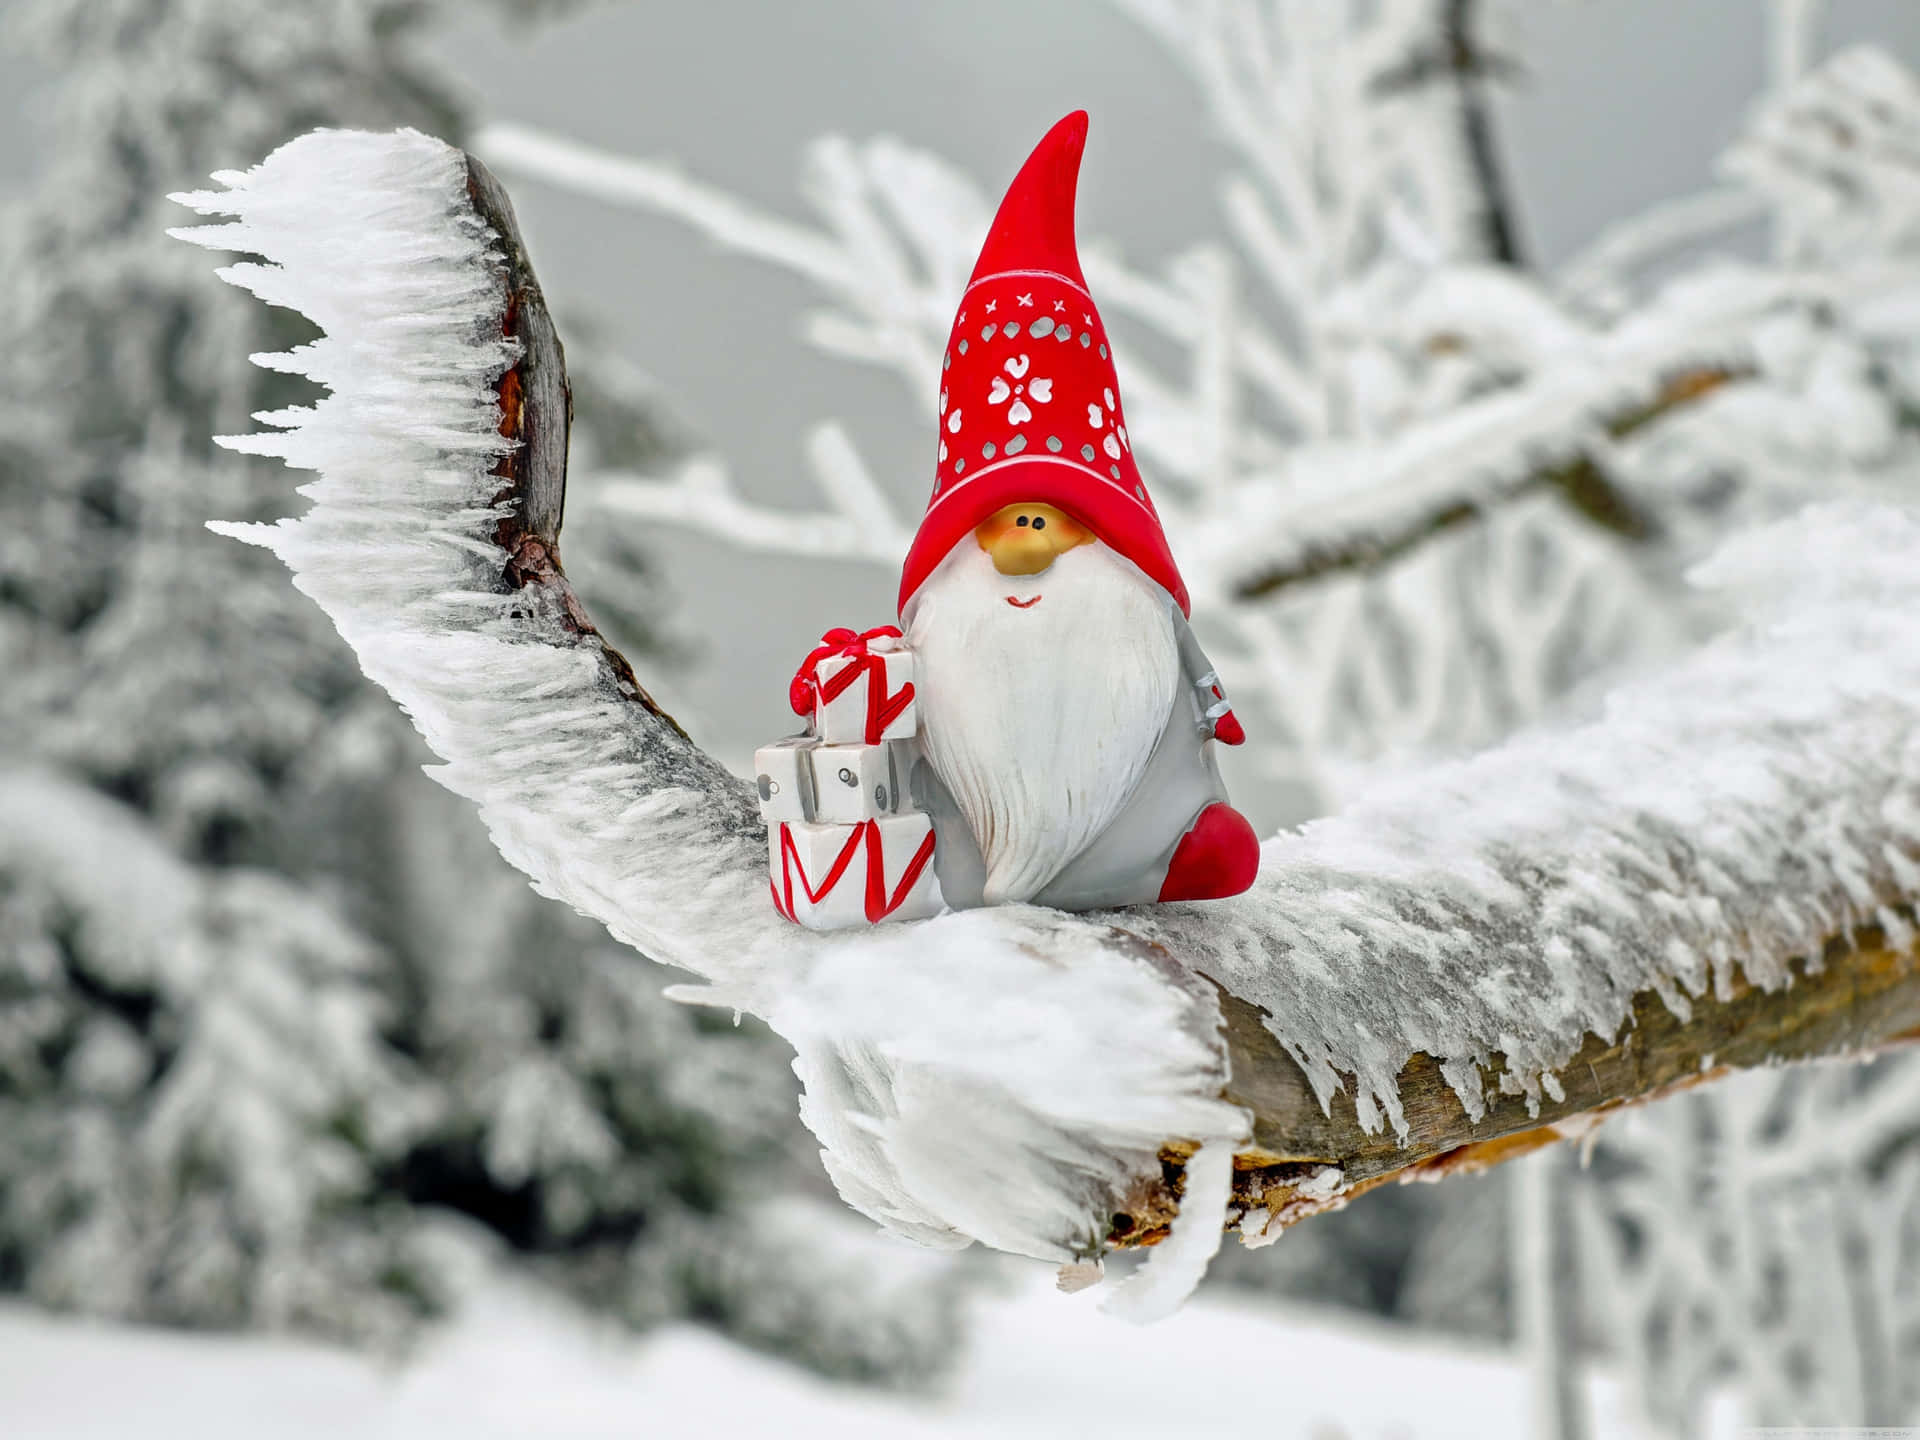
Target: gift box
[(859, 782), (804, 779), (838, 877), (858, 690), (783, 775)]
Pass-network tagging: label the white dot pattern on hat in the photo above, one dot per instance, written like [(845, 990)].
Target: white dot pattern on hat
[(1002, 378)]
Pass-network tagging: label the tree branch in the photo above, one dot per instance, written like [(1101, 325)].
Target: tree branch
[(861, 525), (1540, 433), (1466, 64), (1417, 983), (536, 417), (1469, 65), (1861, 992), (1608, 261), (1581, 481)]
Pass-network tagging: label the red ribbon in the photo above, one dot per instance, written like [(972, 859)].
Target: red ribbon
[(879, 905), (881, 707)]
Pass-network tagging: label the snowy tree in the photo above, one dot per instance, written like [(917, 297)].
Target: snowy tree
[(1761, 1233), (269, 1002), (193, 1083), (202, 1184)]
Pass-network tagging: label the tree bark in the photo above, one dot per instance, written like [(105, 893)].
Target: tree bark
[(1860, 995)]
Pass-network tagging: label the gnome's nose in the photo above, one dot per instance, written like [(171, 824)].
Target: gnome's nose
[(1024, 539), (1021, 552)]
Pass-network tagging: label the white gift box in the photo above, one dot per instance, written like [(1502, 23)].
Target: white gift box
[(783, 774), (865, 699), (859, 782), (802, 779), (838, 877)]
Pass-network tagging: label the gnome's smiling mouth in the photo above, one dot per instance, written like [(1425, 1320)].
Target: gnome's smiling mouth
[(1024, 604)]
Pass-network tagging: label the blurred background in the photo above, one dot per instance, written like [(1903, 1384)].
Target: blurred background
[(310, 1110)]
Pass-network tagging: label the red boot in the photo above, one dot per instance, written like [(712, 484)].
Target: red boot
[(1217, 857)]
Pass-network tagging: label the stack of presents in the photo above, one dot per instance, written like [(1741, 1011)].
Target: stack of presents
[(845, 844)]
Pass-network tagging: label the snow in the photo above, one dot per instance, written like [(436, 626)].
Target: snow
[(996, 1073), (517, 1364), (1155, 1291)]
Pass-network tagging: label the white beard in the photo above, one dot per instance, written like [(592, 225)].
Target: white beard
[(1041, 721)]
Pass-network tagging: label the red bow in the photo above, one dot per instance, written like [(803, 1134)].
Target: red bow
[(839, 641)]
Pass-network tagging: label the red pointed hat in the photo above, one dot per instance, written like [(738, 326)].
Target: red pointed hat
[(1029, 402)]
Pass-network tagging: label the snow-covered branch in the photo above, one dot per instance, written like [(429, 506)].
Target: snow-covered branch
[(1016, 1075), (1840, 154), (1357, 507), (1009, 1076)]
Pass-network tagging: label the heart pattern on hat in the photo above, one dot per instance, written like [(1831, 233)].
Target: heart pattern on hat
[(1018, 413)]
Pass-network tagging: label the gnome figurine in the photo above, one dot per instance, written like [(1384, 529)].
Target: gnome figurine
[(1065, 710)]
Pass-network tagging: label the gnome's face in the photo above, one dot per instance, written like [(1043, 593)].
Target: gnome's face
[(1045, 678)]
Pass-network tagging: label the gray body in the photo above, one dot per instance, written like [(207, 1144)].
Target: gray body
[(1127, 862)]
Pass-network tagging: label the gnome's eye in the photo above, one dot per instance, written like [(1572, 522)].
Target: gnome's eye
[(1021, 521), (1039, 522)]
